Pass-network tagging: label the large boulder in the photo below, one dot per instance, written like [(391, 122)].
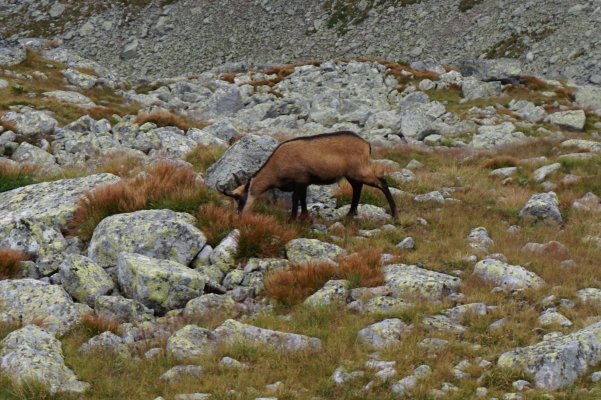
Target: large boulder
[(583, 145), (31, 237), (589, 96), (162, 285), (27, 153), (27, 300), (11, 53), (502, 69), (312, 250), (191, 341), (410, 281), (31, 123), (557, 362), (50, 203), (232, 331), (571, 119), (120, 309), (83, 279), (243, 159), (473, 89), (334, 291), (384, 333), (32, 354), (160, 234), (491, 136), (542, 207), (507, 276)]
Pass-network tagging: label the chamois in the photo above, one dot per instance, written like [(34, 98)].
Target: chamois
[(313, 160)]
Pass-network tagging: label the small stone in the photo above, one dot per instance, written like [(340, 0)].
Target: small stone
[(408, 243)]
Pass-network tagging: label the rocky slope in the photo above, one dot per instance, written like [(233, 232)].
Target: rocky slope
[(114, 240), (556, 39)]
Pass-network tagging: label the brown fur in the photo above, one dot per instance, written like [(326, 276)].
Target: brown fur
[(314, 160)]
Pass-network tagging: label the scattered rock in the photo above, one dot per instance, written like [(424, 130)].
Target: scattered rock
[(312, 250), (542, 207), (509, 277), (410, 281), (384, 333)]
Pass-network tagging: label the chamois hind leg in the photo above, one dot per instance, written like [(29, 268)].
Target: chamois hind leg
[(295, 201), (371, 179), (357, 186)]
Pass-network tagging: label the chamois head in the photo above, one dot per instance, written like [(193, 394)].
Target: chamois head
[(240, 194)]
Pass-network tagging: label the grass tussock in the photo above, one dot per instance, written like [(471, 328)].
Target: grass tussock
[(95, 324), (293, 285), (202, 157), (260, 235), (10, 263), (499, 162), (167, 118), (163, 186)]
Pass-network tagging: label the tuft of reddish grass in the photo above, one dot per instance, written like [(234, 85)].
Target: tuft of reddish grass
[(166, 118), (8, 125), (10, 263), (215, 222), (96, 324), (501, 161), (164, 185), (293, 285), (262, 236)]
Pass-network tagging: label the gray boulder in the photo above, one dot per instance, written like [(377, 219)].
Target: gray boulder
[(71, 97), (27, 153), (542, 207), (122, 310), (384, 333), (83, 279), (589, 96), (334, 291), (312, 250), (232, 331), (491, 136), (572, 119), (507, 276), (160, 234), (31, 123), (11, 53), (26, 300), (77, 78), (162, 285), (244, 158), (558, 362), (502, 69), (410, 281), (473, 89), (210, 304), (191, 342), (224, 255), (583, 145), (31, 353), (226, 101), (103, 343), (527, 110)]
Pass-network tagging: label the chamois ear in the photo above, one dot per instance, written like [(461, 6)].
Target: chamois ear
[(237, 180), (227, 193)]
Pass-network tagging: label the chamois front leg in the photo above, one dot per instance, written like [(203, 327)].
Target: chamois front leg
[(295, 201), (357, 186)]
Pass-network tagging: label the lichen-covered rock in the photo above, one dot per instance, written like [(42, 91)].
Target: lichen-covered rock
[(27, 153), (31, 353), (31, 123), (25, 300), (583, 145), (589, 202), (500, 69), (180, 372), (224, 255), (162, 285), (11, 53), (232, 331), (386, 305), (479, 240), (431, 197), (75, 98), (590, 295), (473, 88), (211, 304), (160, 234), (366, 212), (560, 361), (473, 309), (244, 158), (191, 342), (304, 250), (31, 237), (50, 203), (541, 173), (551, 317), (409, 281), (77, 78), (384, 333), (103, 343), (442, 323), (589, 96), (122, 310), (268, 265), (334, 291), (572, 119), (542, 207), (83, 279), (491, 136), (510, 277)]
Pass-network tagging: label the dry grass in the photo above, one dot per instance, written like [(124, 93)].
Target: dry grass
[(96, 324), (164, 185), (167, 118), (499, 162), (293, 285), (202, 157), (12, 177), (215, 222), (10, 263)]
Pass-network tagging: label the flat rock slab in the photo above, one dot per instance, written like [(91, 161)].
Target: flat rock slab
[(410, 281), (28, 299), (160, 234), (51, 203), (162, 285), (507, 276), (560, 361), (233, 331), (31, 353)]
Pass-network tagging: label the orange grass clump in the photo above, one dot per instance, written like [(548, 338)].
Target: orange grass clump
[(97, 324), (166, 118), (10, 263)]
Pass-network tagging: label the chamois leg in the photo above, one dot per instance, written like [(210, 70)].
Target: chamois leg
[(295, 201), (380, 183), (303, 201), (357, 186)]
